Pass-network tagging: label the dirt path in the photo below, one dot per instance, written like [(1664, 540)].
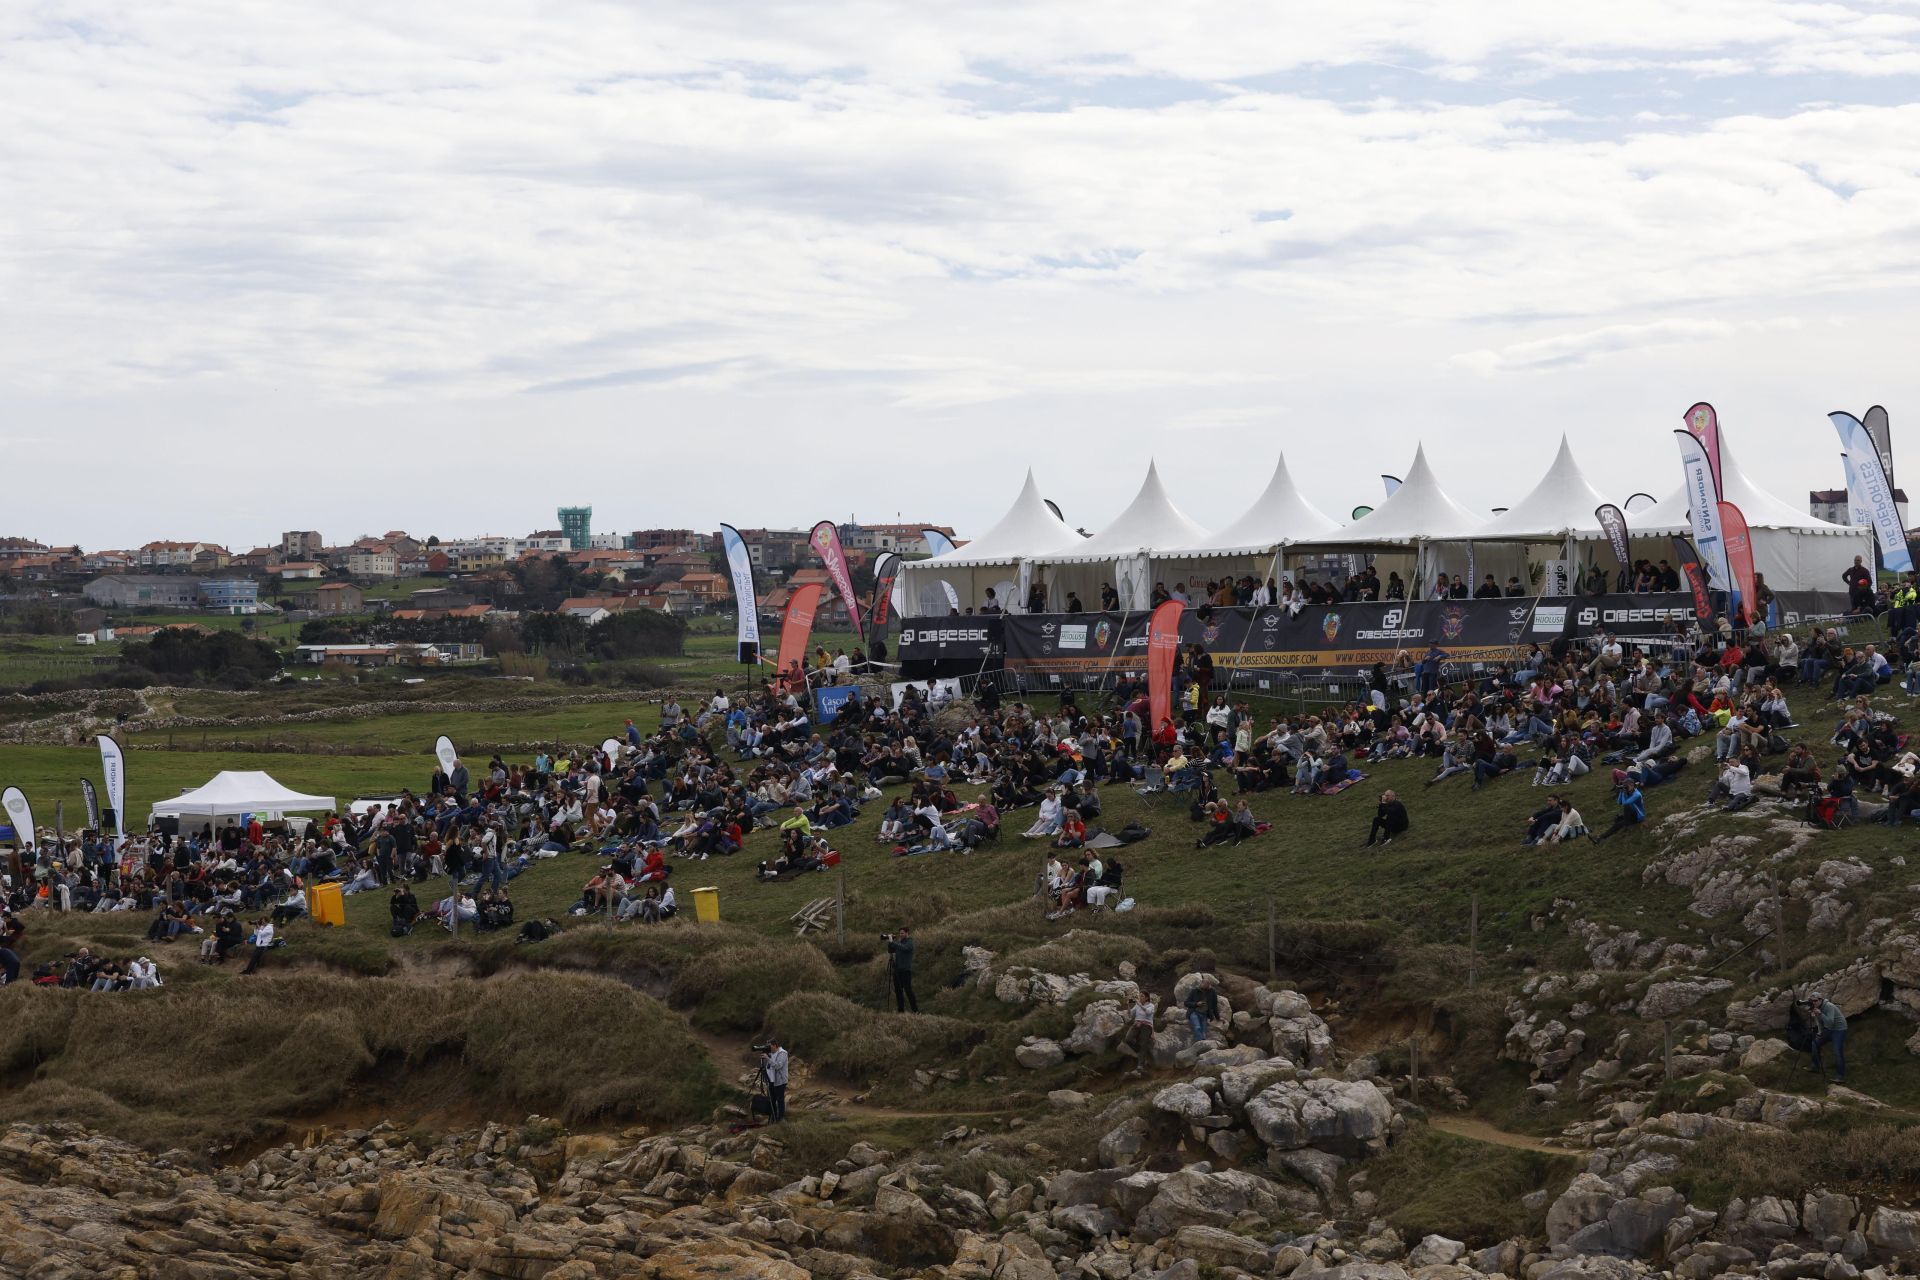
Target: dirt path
[(1481, 1131)]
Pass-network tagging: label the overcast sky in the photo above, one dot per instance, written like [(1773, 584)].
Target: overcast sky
[(445, 267)]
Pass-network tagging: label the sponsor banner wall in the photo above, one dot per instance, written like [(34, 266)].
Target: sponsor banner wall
[(1652, 613), (1796, 608), (973, 639), (1318, 638)]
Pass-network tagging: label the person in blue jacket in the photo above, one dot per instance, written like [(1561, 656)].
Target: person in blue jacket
[(1633, 806)]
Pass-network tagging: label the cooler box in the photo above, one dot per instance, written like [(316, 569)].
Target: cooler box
[(706, 905), (326, 904)]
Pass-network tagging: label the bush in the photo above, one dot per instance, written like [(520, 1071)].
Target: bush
[(837, 1036), (221, 1062), (732, 988), (1849, 1153), (1434, 1182)]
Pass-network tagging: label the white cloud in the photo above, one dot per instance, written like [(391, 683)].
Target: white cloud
[(227, 218)]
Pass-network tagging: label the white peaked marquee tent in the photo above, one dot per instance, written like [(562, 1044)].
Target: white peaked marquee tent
[(1251, 545), (997, 559), (1419, 531), (1792, 550), (1398, 532), (233, 793), (1121, 553), (1541, 531)]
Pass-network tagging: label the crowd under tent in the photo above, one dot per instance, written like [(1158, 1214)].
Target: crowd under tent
[(232, 793), (1400, 534), (1537, 539), (1251, 545), (1792, 550), (998, 559), (1120, 554)]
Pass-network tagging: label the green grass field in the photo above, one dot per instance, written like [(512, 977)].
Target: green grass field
[(1311, 866)]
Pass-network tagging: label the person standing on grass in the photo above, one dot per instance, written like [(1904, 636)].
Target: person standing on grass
[(1830, 1022), (775, 1066), (900, 953)]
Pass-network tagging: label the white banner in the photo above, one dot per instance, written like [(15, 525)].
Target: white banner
[(1858, 515), (113, 766), (1874, 491), (444, 752), (20, 816), (939, 544), (1703, 508), (746, 603)]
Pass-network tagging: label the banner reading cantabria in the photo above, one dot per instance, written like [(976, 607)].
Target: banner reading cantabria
[(1875, 493), (745, 600)]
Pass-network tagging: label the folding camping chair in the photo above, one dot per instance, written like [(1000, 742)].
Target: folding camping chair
[(1153, 786)]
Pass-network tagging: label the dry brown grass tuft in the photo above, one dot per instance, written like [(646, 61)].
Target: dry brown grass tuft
[(223, 1062)]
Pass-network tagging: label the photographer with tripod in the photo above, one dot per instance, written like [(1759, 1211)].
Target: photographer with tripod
[(774, 1074)]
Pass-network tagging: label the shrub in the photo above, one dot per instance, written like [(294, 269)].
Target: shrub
[(1846, 1153), (221, 1062), (835, 1035), (732, 988), (1432, 1181)]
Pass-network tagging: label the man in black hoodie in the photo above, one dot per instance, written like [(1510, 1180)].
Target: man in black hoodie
[(900, 954)]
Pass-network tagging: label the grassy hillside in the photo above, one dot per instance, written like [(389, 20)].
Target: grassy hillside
[(1381, 935)]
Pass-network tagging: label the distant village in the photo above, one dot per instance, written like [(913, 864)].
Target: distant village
[(480, 581)]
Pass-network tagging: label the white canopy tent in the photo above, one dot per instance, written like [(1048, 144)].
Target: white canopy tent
[(997, 559), (1541, 530), (1792, 551), (1249, 546), (1120, 553), (1415, 515), (235, 792)]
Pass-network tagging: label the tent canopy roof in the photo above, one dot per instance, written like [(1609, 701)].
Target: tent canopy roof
[(1562, 503), (1762, 509), (1028, 530), (1150, 522), (240, 791), (1280, 514), (1418, 511)]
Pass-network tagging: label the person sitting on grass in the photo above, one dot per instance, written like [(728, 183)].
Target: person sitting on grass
[(1389, 819), (1051, 817), (1571, 825), (403, 909), (1632, 806), (1734, 785), (1223, 827), (1073, 830), (658, 905)]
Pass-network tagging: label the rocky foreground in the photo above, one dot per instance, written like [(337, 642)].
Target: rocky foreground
[(1243, 1156)]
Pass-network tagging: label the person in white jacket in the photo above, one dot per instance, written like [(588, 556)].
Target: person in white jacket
[(142, 975)]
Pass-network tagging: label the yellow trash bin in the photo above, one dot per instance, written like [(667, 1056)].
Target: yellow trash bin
[(326, 904), (706, 905)]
